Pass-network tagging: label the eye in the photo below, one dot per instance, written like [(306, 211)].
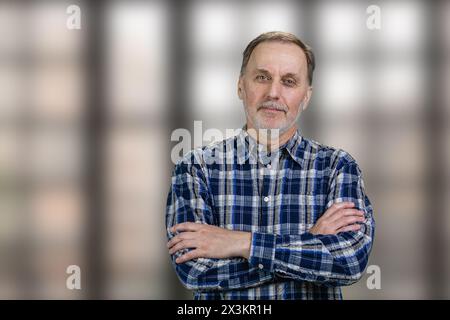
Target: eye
[(290, 82), (261, 77)]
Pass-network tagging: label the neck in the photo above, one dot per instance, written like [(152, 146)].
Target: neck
[(271, 138)]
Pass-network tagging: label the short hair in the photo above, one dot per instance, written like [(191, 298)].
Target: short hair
[(280, 37)]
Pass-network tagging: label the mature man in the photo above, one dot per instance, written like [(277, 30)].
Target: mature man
[(269, 214)]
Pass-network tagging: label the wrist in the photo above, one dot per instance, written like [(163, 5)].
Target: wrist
[(243, 244)]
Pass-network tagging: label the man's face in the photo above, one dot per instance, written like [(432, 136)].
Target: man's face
[(274, 87)]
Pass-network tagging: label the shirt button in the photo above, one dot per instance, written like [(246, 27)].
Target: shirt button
[(261, 266), (266, 199)]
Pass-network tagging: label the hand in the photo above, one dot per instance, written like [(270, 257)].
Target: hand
[(208, 242), (340, 217)]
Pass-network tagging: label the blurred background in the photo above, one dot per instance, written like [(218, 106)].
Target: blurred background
[(86, 118)]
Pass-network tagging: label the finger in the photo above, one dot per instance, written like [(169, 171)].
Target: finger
[(186, 244), (186, 226), (175, 240), (345, 213), (188, 256), (337, 206), (180, 237), (352, 227), (345, 221)]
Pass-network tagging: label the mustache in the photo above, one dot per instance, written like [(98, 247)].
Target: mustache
[(273, 105)]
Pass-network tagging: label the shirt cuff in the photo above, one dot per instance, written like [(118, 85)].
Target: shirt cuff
[(262, 251)]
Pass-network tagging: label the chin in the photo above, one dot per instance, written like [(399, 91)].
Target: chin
[(271, 125)]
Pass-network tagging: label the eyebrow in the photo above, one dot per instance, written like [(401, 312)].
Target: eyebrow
[(290, 74), (262, 70)]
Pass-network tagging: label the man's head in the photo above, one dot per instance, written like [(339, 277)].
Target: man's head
[(275, 81)]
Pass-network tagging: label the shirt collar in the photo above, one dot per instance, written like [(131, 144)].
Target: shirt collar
[(246, 147)]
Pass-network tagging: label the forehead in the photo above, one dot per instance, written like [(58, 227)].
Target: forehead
[(278, 56)]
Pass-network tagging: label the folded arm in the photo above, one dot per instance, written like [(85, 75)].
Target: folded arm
[(329, 256), (197, 268), (334, 252)]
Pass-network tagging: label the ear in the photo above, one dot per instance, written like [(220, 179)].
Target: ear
[(307, 98), (240, 88)]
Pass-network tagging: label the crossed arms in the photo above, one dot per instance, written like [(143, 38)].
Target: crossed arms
[(334, 252)]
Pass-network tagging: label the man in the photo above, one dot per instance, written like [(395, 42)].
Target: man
[(274, 215)]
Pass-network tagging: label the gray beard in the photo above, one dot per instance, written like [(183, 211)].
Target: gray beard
[(281, 130)]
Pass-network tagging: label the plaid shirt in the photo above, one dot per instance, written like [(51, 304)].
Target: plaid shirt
[(231, 184)]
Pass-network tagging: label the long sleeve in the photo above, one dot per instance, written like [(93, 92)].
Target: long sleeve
[(331, 260), (190, 200)]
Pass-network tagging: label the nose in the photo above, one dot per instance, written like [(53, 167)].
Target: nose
[(274, 90)]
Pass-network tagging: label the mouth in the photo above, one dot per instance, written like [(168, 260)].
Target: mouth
[(271, 110)]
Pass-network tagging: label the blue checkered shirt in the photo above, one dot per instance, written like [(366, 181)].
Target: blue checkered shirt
[(277, 197)]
